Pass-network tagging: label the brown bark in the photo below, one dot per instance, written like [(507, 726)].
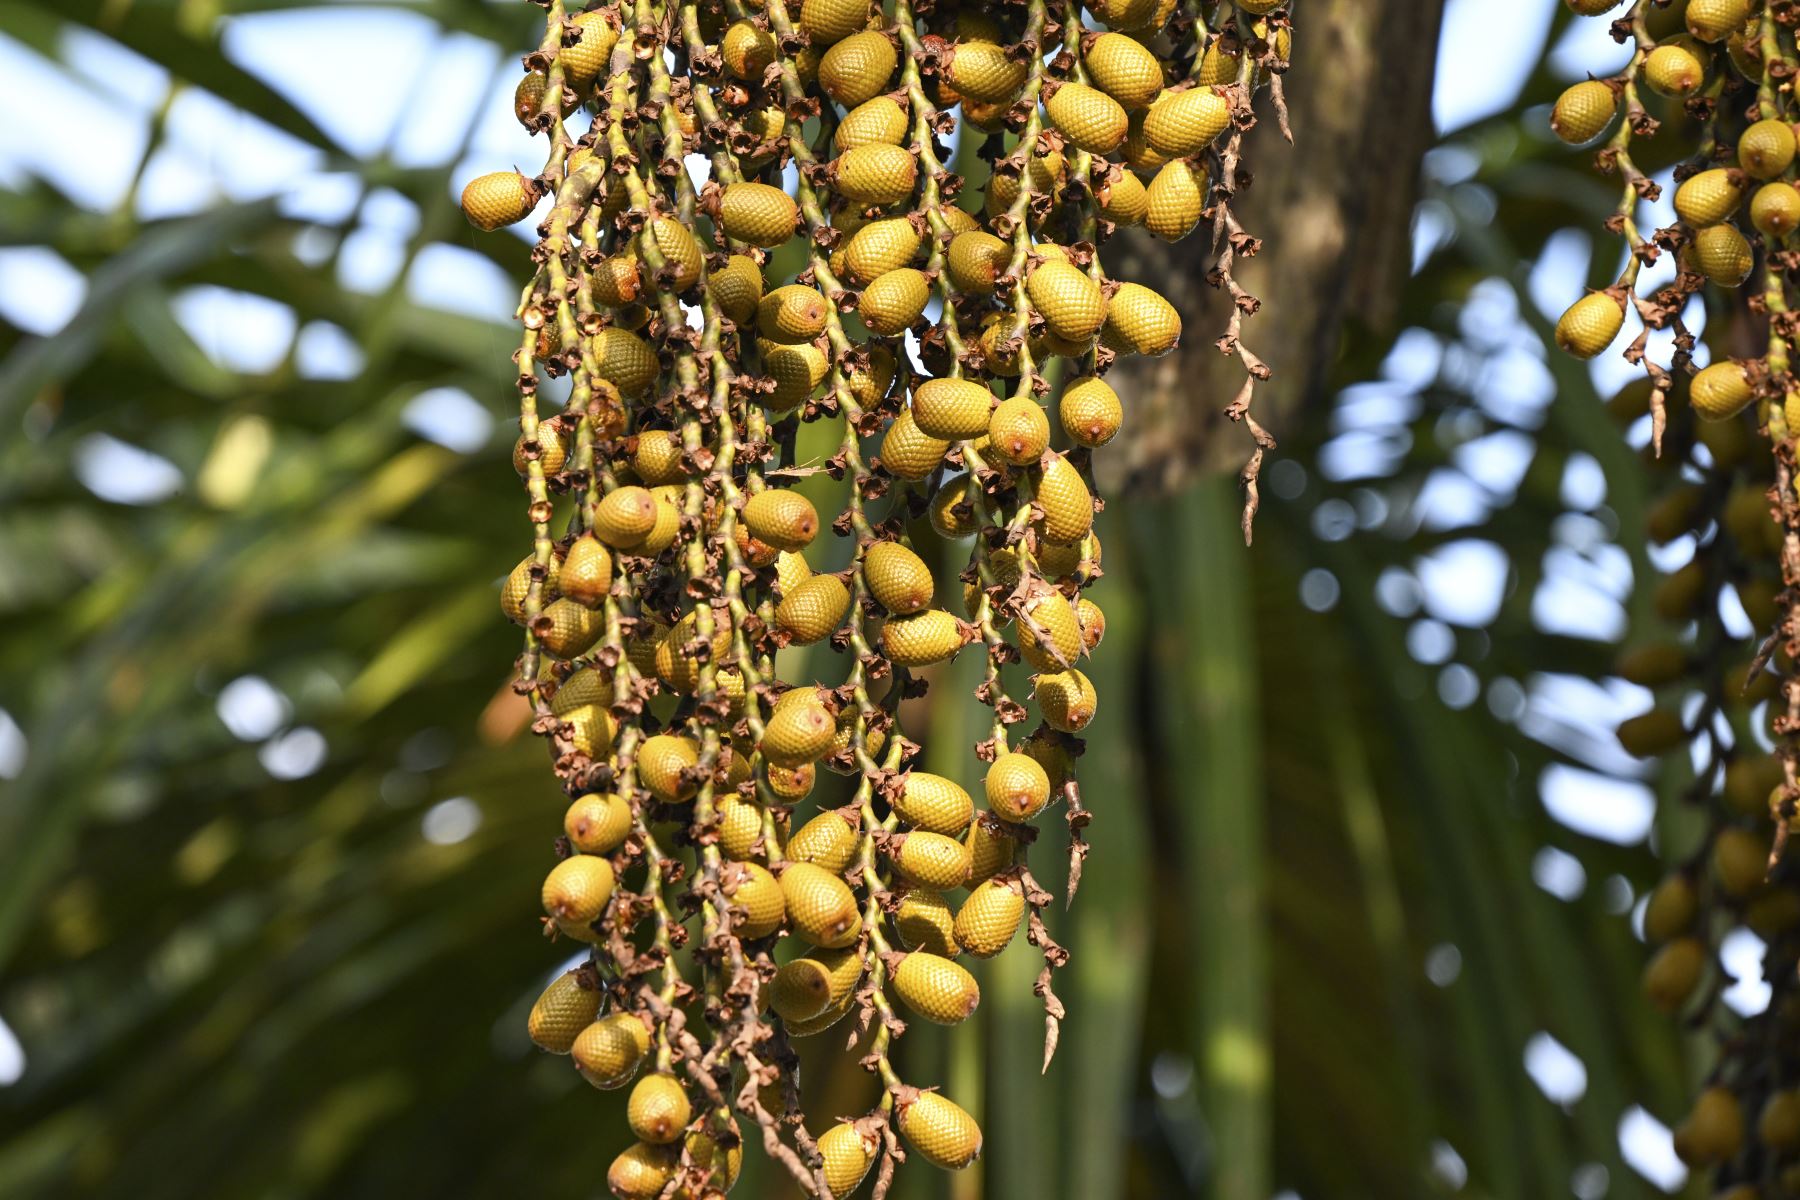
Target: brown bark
[(1335, 212)]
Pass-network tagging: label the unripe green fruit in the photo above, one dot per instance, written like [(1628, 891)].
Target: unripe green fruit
[(1583, 112), (954, 409), (1673, 973), (757, 213), (577, 889), (1067, 699), (784, 519), (1723, 255), (1590, 324), (919, 640), (1775, 209), (826, 841), (658, 1110), (981, 70), (1017, 787), (750, 886), (597, 823), (607, 1053), (499, 199), (1720, 391), (908, 452), (811, 611), (821, 907), (564, 1009), (897, 578), (936, 988), (894, 301), (1124, 69), (847, 1156), (857, 68), (940, 1132), (1018, 431)]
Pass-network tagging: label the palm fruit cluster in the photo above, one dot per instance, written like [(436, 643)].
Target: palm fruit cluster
[(1709, 84), (757, 244)]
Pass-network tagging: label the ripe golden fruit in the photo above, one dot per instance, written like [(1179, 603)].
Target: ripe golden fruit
[(1671, 908), (940, 1132), (597, 823), (792, 313), (1123, 14), (552, 454), (592, 730), (577, 889), (618, 281), (1124, 69), (826, 841), (624, 517), (607, 1053), (658, 1109), (1124, 201), (1068, 505), (1590, 324), (1017, 787), (1067, 699), (1766, 149), (873, 122), (518, 583), (680, 252), (828, 21), (1049, 633), (784, 519), (1583, 112), (1740, 861), (857, 68), (1775, 209), (624, 359), (1677, 68), (564, 1009), (975, 260), (589, 685), (811, 611), (936, 988), (1179, 124), (797, 734), (894, 301), (821, 907), (738, 288), (528, 98), (956, 508), (990, 846), (954, 409), (801, 990), (740, 824), (722, 1159), (499, 199), (1044, 171), (642, 1171), (930, 860), (791, 784), (1709, 197), (982, 70), (583, 60), (1089, 118), (586, 573), (1591, 8), (919, 640), (1720, 391), (751, 886), (876, 175), (657, 459), (664, 763), (796, 370), (1723, 255), (848, 1154), (1072, 303), (880, 246), (747, 50), (757, 213), (1716, 20), (1018, 431), (1175, 199), (1140, 321), (897, 578), (1090, 412), (1673, 973)]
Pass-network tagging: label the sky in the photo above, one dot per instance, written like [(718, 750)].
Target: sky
[(460, 113)]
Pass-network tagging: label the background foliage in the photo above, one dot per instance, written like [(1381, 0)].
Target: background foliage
[(270, 829)]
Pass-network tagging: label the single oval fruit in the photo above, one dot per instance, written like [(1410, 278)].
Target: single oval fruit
[(826, 841), (1073, 306), (820, 906), (935, 988), (1184, 123), (1709, 197), (577, 889), (597, 823), (783, 518), (1723, 255), (982, 70), (1766, 149), (792, 313), (897, 578), (564, 1009), (1775, 209), (857, 68), (975, 260), (877, 175), (607, 1053), (1589, 325), (1677, 68), (1067, 699), (908, 452), (930, 860), (1583, 112), (658, 1110), (1720, 391), (1018, 431), (1175, 199), (757, 213), (1090, 412), (876, 121), (1125, 69), (1089, 118), (1018, 788), (940, 1132), (499, 199), (798, 734), (1140, 321), (811, 611), (919, 640), (894, 301), (751, 886), (847, 1155), (953, 409), (923, 920)]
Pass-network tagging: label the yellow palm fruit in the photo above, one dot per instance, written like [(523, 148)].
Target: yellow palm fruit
[(791, 570), (668, 521), (1720, 391), (1018, 431), (821, 908), (940, 1132), (757, 213), (723, 1159), (1125, 201), (1775, 209), (784, 519), (587, 57), (1740, 861), (826, 841), (663, 763), (955, 509), (894, 301), (811, 611), (1589, 325), (1049, 633), (625, 516), (1709, 197), (955, 409), (1089, 412), (1137, 151), (989, 918), (792, 313), (1743, 47), (591, 729), (680, 251), (1092, 620), (642, 1171), (1723, 255), (1179, 124), (1714, 1129), (657, 458), (607, 1053), (678, 661), (880, 246), (589, 685), (624, 360), (907, 451), (1778, 1125), (1766, 149), (982, 70), (857, 68), (618, 281), (1124, 69), (919, 640), (1583, 112), (1067, 699), (934, 804), (1673, 973), (800, 990), (975, 260), (957, 221), (577, 889), (658, 1109), (796, 370), (936, 988), (932, 860), (841, 750), (567, 629), (797, 734), (528, 100), (828, 21), (1677, 68), (1045, 172), (1175, 197), (740, 824), (990, 846), (564, 1009), (751, 887), (792, 784), (1671, 909), (879, 121), (876, 175), (869, 383), (825, 1020), (1068, 505), (1072, 304), (552, 453), (1716, 20), (518, 583), (1123, 14), (747, 50), (586, 573), (1017, 787), (923, 920), (897, 578), (597, 823), (1140, 321), (1591, 8), (738, 288), (1089, 118), (499, 199), (848, 1154)]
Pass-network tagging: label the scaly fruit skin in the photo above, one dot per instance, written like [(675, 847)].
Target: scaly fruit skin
[(1677, 68), (642, 1171), (1068, 505), (1019, 431), (565, 1009), (813, 610), (931, 860), (757, 213), (607, 1052), (583, 61), (952, 409), (878, 121), (1775, 209), (658, 1110), (1089, 412), (665, 766), (577, 889), (982, 70), (625, 360), (1183, 123), (1089, 118), (991, 848), (1583, 112), (800, 990), (848, 1154), (926, 637), (518, 583), (1125, 201), (798, 734), (1067, 699), (829, 21), (1175, 199), (1124, 69), (1049, 632), (826, 841), (989, 918), (894, 301), (924, 920), (1723, 255), (763, 899), (499, 199), (597, 823), (940, 1132), (897, 578), (784, 519), (1720, 391), (747, 50), (876, 175), (1709, 197), (881, 246), (936, 988), (791, 313), (1140, 321), (1590, 324), (1716, 20), (1072, 304), (975, 260), (857, 68), (1766, 149), (738, 288), (1018, 788), (821, 908)]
